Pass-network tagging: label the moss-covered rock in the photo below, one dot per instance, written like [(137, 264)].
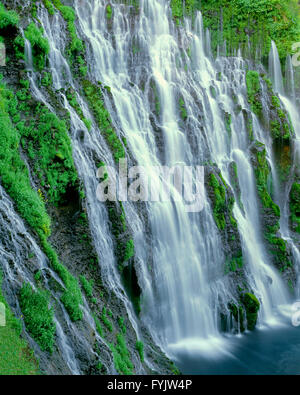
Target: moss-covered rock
[(252, 306)]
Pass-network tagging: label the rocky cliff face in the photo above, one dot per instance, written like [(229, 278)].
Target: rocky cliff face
[(104, 288)]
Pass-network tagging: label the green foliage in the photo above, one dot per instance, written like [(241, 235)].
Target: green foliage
[(95, 100), (8, 18), (252, 307), (183, 111), (49, 7), (87, 286), (121, 324), (109, 12), (38, 317), (254, 91), (16, 357), (140, 349), (180, 8), (129, 250), (15, 177), (261, 20), (71, 96), (121, 356), (262, 174), (98, 326), (75, 49), (14, 173), (219, 201), (39, 44), (105, 320), (71, 297), (46, 139)]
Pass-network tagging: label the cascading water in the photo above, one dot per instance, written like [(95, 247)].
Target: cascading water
[(180, 256)]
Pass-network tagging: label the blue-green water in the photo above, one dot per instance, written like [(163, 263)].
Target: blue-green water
[(269, 351)]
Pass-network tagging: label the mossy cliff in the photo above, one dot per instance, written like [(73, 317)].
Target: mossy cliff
[(38, 172)]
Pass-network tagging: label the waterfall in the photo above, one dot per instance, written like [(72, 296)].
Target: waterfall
[(180, 255), (275, 69), (289, 78)]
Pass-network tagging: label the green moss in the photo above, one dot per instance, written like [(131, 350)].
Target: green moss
[(87, 286), (8, 18), (121, 356), (183, 111), (262, 174), (295, 207), (129, 250), (39, 44), (109, 12), (16, 356), (252, 307), (19, 47), (38, 317), (260, 20), (140, 349), (15, 177), (49, 7), (105, 320), (219, 202), (121, 324), (75, 49), (228, 121)]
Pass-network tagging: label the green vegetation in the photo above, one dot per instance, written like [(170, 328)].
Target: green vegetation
[(38, 317), (45, 138), (261, 20), (262, 174), (87, 286), (228, 121), (39, 44), (15, 176), (121, 324), (252, 307), (105, 320), (254, 91), (219, 202), (270, 209), (180, 8), (49, 7), (109, 12), (16, 356), (121, 356), (71, 96), (140, 349), (129, 250), (96, 103), (75, 49), (295, 207), (183, 111), (98, 326), (8, 18)]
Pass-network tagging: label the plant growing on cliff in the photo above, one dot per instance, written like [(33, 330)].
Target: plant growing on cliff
[(38, 316)]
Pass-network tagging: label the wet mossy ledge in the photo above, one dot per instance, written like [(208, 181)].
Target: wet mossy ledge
[(277, 246)]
